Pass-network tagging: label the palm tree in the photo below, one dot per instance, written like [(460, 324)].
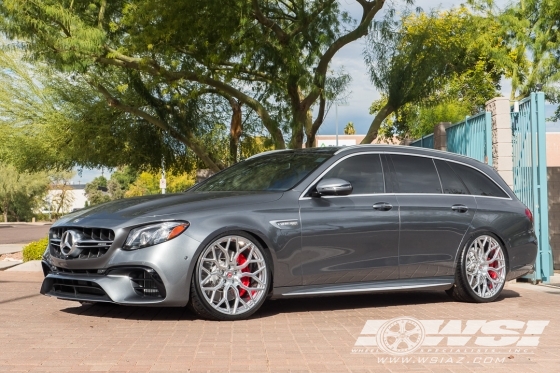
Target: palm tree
[(349, 129)]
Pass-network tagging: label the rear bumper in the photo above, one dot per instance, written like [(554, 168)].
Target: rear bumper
[(158, 275)]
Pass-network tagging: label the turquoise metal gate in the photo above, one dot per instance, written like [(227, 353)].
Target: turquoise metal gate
[(472, 137), (424, 142), (529, 174)]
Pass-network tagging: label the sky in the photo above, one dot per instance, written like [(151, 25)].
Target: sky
[(362, 92)]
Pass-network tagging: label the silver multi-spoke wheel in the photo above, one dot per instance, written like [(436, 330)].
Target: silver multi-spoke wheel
[(232, 275), (485, 266)]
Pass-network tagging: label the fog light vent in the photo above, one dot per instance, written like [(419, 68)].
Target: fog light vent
[(147, 283)]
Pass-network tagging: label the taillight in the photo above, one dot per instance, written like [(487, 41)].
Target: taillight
[(529, 214)]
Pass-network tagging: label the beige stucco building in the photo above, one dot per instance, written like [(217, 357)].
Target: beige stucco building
[(348, 140)]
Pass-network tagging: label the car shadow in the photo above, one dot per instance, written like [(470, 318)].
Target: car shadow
[(277, 306), (371, 300)]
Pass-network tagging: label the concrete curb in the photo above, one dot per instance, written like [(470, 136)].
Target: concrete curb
[(31, 266)]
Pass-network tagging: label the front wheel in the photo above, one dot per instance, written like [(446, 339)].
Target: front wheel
[(481, 270), (231, 279)]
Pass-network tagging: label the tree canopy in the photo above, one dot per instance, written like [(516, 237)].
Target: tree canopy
[(422, 59), (20, 193), (163, 63)]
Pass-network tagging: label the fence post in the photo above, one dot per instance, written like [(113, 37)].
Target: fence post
[(440, 136), (542, 189), (502, 150)]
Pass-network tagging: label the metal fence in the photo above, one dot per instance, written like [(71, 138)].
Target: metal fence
[(530, 174), (424, 142), (472, 137)]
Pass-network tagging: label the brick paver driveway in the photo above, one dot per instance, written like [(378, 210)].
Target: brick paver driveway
[(41, 334)]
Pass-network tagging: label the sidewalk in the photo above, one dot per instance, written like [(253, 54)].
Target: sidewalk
[(11, 248)]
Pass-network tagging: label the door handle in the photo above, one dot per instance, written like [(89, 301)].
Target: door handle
[(460, 208), (382, 206)]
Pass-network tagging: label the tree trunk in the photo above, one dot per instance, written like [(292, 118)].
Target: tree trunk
[(376, 123), (296, 142), (236, 129), (313, 126), (299, 113), (5, 204)]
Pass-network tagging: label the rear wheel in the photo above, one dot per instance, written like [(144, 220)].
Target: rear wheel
[(481, 270), (231, 279)]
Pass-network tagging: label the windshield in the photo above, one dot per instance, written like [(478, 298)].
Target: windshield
[(269, 172)]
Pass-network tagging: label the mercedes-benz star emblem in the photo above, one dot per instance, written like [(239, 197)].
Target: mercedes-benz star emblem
[(69, 243)]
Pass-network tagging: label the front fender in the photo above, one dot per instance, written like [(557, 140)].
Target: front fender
[(283, 245)]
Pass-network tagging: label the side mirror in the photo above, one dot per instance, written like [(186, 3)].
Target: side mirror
[(334, 187)]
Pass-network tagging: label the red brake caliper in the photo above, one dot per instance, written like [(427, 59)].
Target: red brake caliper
[(492, 273), (244, 280)]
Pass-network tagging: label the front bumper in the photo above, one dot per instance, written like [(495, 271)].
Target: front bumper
[(158, 275)]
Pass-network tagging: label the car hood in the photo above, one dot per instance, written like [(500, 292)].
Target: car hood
[(139, 210)]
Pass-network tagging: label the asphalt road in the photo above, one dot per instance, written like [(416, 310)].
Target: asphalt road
[(14, 233)]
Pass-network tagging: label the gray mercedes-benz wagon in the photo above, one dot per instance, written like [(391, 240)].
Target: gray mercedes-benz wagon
[(299, 223)]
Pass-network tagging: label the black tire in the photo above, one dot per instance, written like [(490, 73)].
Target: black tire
[(461, 290), (200, 305)]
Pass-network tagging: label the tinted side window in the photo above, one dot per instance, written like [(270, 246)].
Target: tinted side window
[(478, 183), (416, 174), (364, 172), (388, 172), (449, 180)]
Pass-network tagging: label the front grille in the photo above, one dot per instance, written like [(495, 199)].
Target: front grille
[(93, 242), (78, 289)]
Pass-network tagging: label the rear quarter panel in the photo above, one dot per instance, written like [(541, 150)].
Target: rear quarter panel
[(506, 219)]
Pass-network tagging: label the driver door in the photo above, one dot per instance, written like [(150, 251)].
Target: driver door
[(351, 238)]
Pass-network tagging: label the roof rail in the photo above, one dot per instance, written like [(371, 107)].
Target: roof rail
[(263, 153), (360, 146), (396, 145)]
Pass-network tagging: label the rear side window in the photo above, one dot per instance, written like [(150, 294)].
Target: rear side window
[(478, 183), (450, 182), (364, 172), (416, 174)]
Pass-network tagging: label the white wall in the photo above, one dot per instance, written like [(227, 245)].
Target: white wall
[(78, 199)]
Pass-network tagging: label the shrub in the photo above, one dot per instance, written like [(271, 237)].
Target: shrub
[(35, 250)]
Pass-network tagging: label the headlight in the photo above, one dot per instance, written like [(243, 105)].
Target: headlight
[(153, 234)]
